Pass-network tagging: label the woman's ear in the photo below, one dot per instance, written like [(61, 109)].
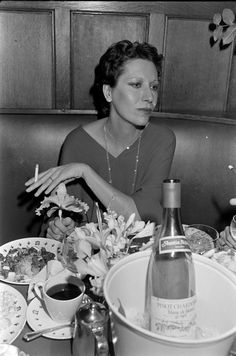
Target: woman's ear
[(107, 92)]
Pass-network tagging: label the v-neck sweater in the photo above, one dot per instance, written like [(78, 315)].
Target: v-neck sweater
[(156, 154)]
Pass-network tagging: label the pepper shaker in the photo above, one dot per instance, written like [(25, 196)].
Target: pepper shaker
[(90, 333)]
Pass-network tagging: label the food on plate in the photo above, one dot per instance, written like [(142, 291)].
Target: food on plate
[(225, 258), (22, 263), (7, 309), (10, 314), (13, 309), (199, 240)]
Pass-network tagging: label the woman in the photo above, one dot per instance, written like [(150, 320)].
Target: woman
[(121, 159)]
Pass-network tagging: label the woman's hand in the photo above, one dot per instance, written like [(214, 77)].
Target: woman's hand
[(49, 180), (225, 240), (58, 228)]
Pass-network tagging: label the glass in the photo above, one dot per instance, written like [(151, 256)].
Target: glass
[(201, 242)]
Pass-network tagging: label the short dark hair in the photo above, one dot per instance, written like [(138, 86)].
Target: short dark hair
[(111, 66)]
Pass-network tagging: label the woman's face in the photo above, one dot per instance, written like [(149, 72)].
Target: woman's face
[(135, 95)]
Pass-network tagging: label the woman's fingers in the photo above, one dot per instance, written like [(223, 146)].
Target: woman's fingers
[(57, 228), (50, 235), (50, 179), (60, 226), (44, 180), (48, 187), (55, 183), (68, 222)]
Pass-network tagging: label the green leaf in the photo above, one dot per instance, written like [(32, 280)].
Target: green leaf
[(228, 16), (228, 35), (217, 19)]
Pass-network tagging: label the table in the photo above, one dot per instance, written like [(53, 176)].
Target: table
[(49, 347), (42, 346)]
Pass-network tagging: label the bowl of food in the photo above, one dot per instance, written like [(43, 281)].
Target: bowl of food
[(22, 259), (202, 238)]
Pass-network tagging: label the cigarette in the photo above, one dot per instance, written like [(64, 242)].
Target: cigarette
[(36, 173), (232, 168)]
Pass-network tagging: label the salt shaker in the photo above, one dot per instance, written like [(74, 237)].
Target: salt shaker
[(90, 332)]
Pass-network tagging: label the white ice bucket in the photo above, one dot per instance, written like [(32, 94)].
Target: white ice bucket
[(216, 309)]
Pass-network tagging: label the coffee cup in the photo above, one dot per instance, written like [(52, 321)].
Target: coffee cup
[(61, 296)]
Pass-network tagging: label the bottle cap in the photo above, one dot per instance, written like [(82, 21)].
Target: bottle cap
[(171, 193)]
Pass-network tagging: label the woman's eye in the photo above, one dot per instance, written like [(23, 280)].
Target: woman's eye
[(135, 85), (154, 87)]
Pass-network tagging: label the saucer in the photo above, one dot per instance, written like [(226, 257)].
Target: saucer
[(37, 318)]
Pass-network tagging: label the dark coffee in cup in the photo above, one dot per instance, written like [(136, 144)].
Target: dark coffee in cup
[(61, 295), (64, 291)]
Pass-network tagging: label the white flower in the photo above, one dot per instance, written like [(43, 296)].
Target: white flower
[(97, 285), (114, 246), (62, 201), (96, 265)]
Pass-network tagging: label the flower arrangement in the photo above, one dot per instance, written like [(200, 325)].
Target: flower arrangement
[(93, 248), (93, 251)]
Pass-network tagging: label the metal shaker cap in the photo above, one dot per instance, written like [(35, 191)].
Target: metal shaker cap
[(93, 313)]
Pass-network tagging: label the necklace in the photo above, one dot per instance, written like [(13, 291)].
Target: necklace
[(127, 147)]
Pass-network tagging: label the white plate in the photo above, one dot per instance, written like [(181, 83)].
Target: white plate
[(7, 350), (13, 309), (38, 319), (37, 242)]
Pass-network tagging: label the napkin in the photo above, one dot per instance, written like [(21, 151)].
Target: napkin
[(52, 268)]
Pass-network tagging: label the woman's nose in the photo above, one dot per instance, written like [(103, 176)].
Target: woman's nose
[(147, 95)]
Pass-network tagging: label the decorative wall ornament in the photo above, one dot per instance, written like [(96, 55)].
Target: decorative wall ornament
[(223, 28)]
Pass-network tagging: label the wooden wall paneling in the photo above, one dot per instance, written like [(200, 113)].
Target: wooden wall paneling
[(62, 58), (197, 9), (231, 105), (156, 38), (92, 33), (156, 31), (26, 59), (196, 74)]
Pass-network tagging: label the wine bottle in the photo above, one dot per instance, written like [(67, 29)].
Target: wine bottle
[(170, 284)]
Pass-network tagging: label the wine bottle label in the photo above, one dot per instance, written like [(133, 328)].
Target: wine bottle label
[(173, 244), (173, 317)]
